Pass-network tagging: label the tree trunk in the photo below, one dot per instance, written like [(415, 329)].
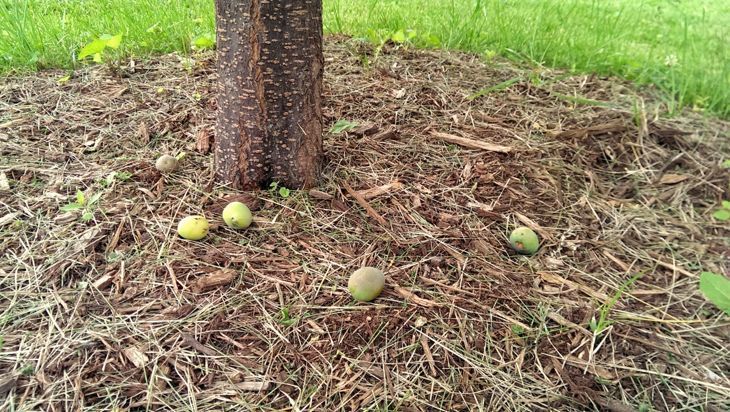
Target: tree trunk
[(270, 69)]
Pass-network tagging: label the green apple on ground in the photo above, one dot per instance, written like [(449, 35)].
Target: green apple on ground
[(366, 283), (166, 164), (524, 240), (193, 227), (237, 215)]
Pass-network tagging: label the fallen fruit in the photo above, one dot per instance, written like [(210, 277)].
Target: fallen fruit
[(366, 283), (237, 215), (166, 164), (193, 227), (524, 240)]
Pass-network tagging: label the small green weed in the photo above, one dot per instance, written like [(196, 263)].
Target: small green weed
[(716, 289), (600, 325), (88, 206)]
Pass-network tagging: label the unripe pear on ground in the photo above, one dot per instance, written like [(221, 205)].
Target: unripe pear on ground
[(166, 164), (524, 241), (237, 215), (193, 227), (366, 283)]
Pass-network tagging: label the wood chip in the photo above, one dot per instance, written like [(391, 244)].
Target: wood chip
[(318, 194), (594, 369), (565, 322), (534, 226), (215, 279), (136, 356), (672, 179), (429, 355), (253, 386), (115, 238), (558, 280), (103, 282), (191, 342), (10, 217), (604, 128), (471, 143), (366, 129), (385, 135), (7, 383), (374, 192), (4, 183), (364, 203), (413, 298)]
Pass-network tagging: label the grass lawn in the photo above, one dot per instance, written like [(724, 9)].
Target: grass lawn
[(680, 46)]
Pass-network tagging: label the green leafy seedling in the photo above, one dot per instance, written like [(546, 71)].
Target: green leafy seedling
[(285, 317), (342, 125), (203, 42), (716, 289), (96, 48), (81, 203), (723, 214), (403, 36), (283, 191)]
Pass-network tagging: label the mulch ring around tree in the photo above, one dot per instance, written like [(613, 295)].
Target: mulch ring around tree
[(443, 154)]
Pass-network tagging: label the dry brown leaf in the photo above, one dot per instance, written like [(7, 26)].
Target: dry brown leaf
[(143, 133), (136, 356), (202, 141), (671, 179)]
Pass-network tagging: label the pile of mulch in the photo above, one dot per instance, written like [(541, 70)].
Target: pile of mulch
[(105, 308)]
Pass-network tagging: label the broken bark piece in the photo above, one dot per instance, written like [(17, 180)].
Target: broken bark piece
[(215, 279), (471, 143)]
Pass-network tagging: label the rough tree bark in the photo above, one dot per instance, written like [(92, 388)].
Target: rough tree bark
[(270, 69)]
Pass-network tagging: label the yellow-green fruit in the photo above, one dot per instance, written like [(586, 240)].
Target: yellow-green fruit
[(166, 164), (237, 215), (524, 240), (193, 227), (366, 284)]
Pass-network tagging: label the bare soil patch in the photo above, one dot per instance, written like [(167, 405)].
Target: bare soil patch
[(118, 312)]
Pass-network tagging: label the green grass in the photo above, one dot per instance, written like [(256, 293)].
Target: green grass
[(679, 45)]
